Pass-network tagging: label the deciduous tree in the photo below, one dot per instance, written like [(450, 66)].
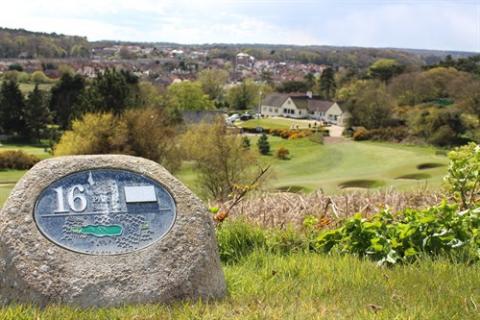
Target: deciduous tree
[(213, 81), (385, 69), (188, 95), (220, 158)]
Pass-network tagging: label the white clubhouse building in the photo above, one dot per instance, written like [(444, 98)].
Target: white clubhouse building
[(302, 107)]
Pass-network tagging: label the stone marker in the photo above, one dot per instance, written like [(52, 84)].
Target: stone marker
[(105, 230)]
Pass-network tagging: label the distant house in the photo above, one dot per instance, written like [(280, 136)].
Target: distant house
[(244, 60), (303, 107)]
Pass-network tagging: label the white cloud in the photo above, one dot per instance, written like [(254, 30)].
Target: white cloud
[(440, 25), (416, 26)]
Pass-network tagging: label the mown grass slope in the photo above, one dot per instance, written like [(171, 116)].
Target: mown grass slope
[(331, 167)]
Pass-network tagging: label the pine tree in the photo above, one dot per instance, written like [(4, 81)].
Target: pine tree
[(328, 86), (37, 115), (12, 109), (113, 91), (263, 144), (65, 97), (246, 143)]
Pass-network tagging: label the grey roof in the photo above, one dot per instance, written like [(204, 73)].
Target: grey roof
[(314, 104), (275, 99), (198, 116)]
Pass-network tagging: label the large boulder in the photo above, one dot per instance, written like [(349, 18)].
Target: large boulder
[(67, 238)]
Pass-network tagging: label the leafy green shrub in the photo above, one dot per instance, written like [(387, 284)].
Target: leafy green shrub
[(237, 239), (246, 142), (389, 238), (443, 136), (94, 134), (286, 241), (463, 177), (282, 153), (17, 159), (142, 132)]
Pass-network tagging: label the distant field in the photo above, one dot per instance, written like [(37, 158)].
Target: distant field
[(8, 178), (28, 87), (37, 150)]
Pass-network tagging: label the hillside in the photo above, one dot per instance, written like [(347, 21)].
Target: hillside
[(20, 43)]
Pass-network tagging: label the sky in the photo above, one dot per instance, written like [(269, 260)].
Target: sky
[(421, 24)]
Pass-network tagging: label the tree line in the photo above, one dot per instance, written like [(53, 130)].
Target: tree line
[(438, 105), (19, 43), (29, 116)]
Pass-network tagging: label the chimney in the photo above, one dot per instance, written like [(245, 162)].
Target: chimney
[(309, 94)]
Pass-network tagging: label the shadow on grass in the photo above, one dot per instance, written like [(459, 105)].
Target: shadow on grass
[(365, 184), (414, 176), (429, 165), (293, 189)]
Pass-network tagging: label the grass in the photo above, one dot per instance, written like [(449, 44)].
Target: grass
[(332, 167), (28, 87), (310, 286), (8, 178), (37, 150), (313, 166)]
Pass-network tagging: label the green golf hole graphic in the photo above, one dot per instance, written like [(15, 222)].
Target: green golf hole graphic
[(99, 230)]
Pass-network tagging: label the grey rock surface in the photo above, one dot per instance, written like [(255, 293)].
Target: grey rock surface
[(182, 265)]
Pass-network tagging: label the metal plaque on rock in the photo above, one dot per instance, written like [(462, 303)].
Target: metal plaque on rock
[(104, 211)]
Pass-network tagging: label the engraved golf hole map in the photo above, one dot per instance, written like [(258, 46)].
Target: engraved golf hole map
[(104, 211)]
